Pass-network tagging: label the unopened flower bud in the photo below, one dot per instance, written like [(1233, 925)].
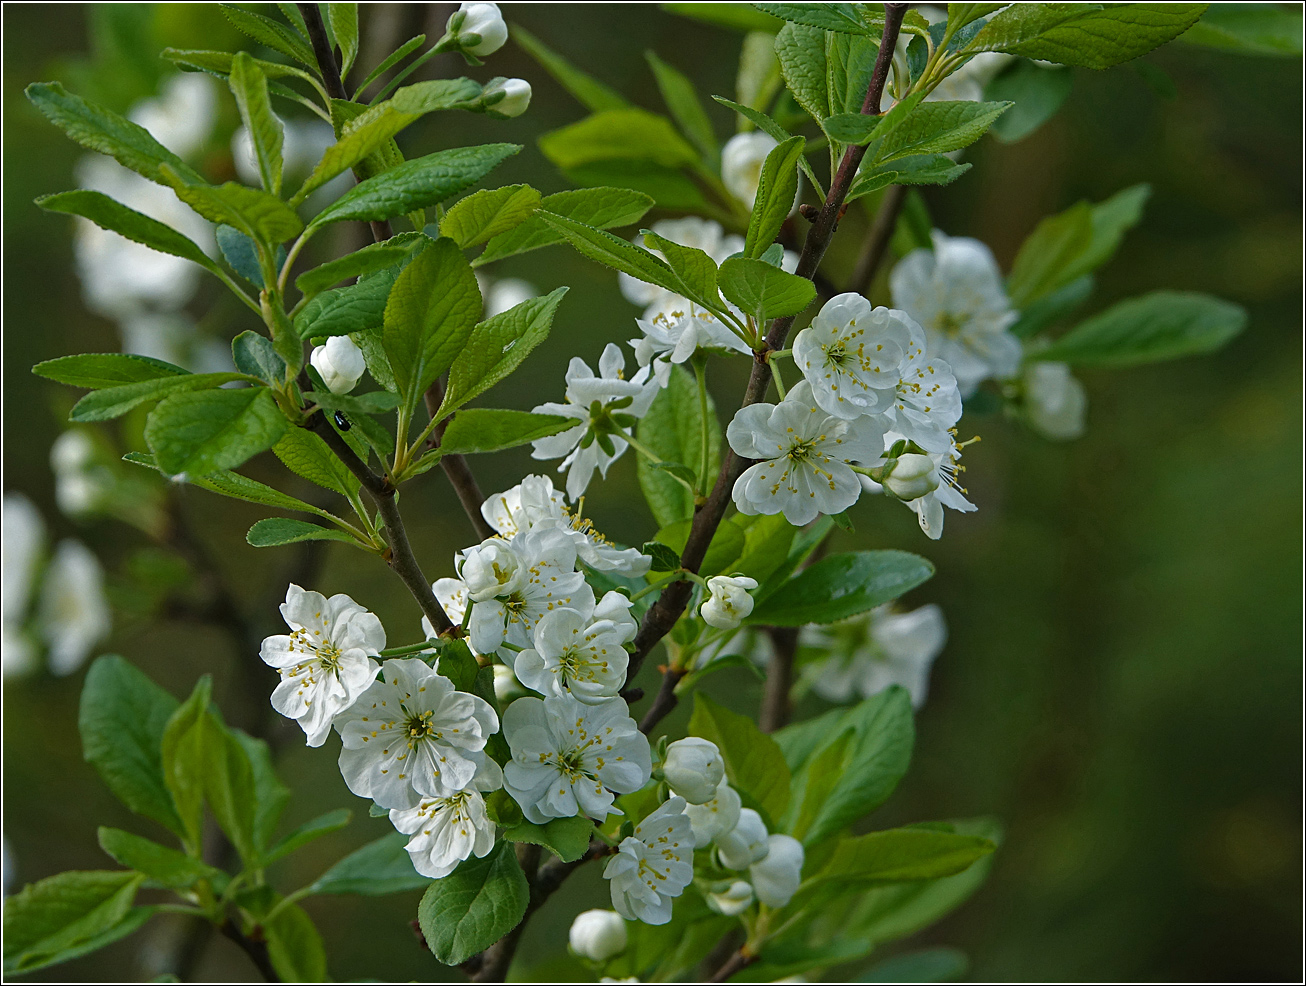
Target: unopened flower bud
[(694, 768), (491, 569), (733, 900), (713, 819), (506, 98), (729, 602), (745, 844), (1055, 402), (911, 476), (339, 363), (777, 875), (483, 20), (598, 934)]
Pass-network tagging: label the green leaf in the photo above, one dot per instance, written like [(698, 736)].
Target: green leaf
[(673, 430), (254, 354), (928, 965), (381, 867), (769, 126), (474, 906), (1053, 308), (925, 169), (250, 87), (935, 128), (272, 532), (961, 14), (295, 946), (842, 585), (767, 541), (621, 135), (97, 371), (1249, 29), (1158, 326), (117, 218), (801, 50), (260, 215), (164, 866), (487, 213), (1037, 92), (682, 100), (219, 63), (358, 308), (276, 36), (343, 18), (696, 270), (602, 208), (481, 429), (51, 918), (373, 257), (665, 559), (613, 251), (201, 432), (183, 761), (417, 184), (763, 291), (754, 763), (429, 318), (843, 17), (458, 664), (98, 129), (310, 831), (671, 188), (849, 66), (877, 735), (113, 402), (497, 346), (1091, 35), (307, 455), (776, 189), (902, 855), (241, 255), (121, 719), (591, 93), (566, 838), (270, 795)]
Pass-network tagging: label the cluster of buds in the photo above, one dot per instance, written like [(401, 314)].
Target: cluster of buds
[(476, 30), (906, 471)]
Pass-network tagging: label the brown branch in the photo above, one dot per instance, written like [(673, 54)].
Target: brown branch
[(779, 678), (742, 959), (382, 495), (456, 468), (256, 949), (665, 700), (876, 244), (662, 615)]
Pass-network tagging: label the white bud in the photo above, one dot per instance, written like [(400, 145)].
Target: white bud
[(733, 900), (339, 363), (598, 934), (484, 20), (741, 164), (715, 818), (777, 875), (745, 844), (492, 569), (1055, 403), (516, 96), (912, 476), (694, 768), (729, 602)]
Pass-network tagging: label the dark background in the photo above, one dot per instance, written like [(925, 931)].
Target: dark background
[(1122, 686)]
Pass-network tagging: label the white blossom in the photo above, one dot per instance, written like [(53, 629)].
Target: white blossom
[(514, 101), (594, 400), (492, 568), (569, 757), (504, 293), (675, 336), (653, 866), (870, 652), (326, 661), (850, 355), (715, 818), (694, 768), (744, 844), (447, 830), (598, 935), (21, 547), (804, 455), (741, 164), (339, 362), (926, 403), (1055, 403), (75, 614), (580, 652), (955, 292), (733, 900), (411, 735), (776, 875), (728, 602), (534, 504), (182, 116), (947, 492), (82, 484), (483, 20)]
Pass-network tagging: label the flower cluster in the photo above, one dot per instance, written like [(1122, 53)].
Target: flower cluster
[(871, 652)]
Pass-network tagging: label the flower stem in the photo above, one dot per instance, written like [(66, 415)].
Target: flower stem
[(700, 376)]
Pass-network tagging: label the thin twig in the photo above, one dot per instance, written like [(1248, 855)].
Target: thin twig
[(876, 245), (664, 702), (740, 960), (256, 949), (456, 468), (779, 678)]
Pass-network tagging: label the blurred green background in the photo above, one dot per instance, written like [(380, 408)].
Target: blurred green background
[(1122, 683)]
